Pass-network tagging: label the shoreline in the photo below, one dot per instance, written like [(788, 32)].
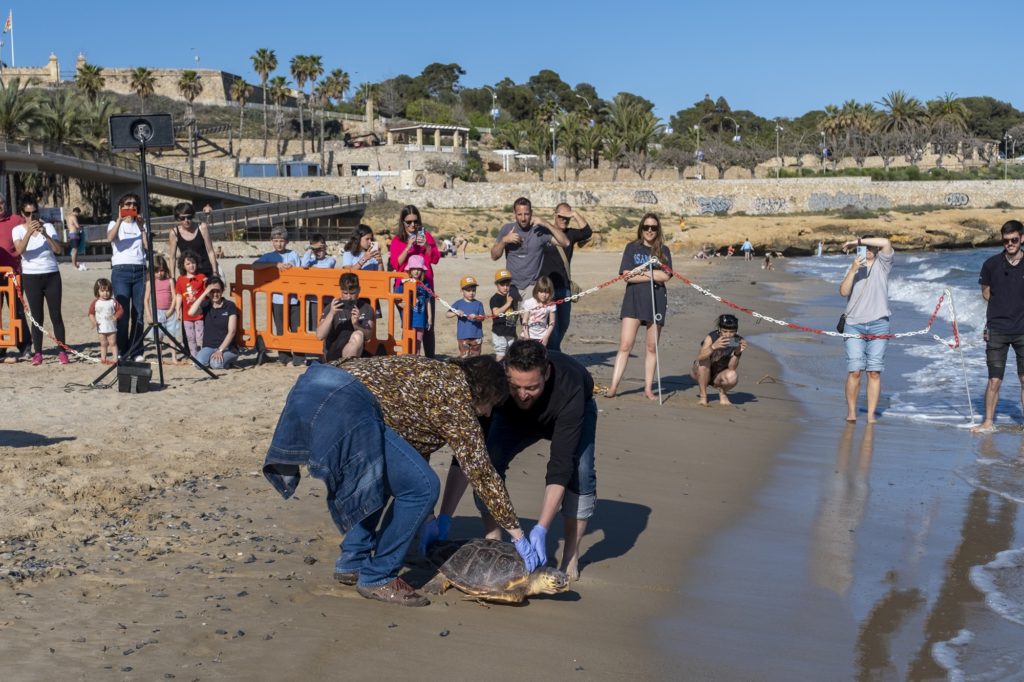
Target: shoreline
[(166, 529)]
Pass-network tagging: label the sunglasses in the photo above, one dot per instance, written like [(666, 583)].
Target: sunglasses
[(566, 218), (216, 291), (1006, 240), (184, 217), (130, 203), (650, 228), (412, 222), (29, 214)]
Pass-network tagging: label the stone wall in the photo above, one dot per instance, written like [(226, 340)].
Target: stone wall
[(689, 197)]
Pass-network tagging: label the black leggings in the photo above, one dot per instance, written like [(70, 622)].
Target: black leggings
[(38, 287)]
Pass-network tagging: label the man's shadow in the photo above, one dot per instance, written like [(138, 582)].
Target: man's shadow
[(26, 439)]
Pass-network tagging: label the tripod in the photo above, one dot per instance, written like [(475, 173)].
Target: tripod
[(155, 325)]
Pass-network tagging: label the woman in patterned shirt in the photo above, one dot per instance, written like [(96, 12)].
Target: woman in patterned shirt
[(366, 427)]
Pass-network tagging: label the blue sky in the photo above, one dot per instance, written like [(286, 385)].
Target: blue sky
[(777, 59)]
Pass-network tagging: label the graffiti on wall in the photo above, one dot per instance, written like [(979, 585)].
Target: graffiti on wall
[(819, 201), (713, 205), (581, 198), (957, 199), (645, 196), (768, 205)]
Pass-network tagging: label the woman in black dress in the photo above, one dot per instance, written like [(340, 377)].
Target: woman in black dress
[(636, 304)]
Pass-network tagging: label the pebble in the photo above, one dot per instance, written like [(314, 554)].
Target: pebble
[(445, 633)]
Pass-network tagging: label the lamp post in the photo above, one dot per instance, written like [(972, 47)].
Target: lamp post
[(552, 129), (1006, 152), (495, 111), (589, 107), (778, 130), (823, 150)]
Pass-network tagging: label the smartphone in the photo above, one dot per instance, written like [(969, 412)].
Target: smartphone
[(732, 342), (129, 212), (862, 252), (374, 246), (421, 234)]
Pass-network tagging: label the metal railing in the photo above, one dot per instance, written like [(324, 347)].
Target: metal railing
[(263, 217), (125, 163)]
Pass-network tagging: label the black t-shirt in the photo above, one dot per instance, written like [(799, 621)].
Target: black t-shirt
[(557, 414), (552, 265), (215, 323), (1006, 294), (341, 326), (505, 326)]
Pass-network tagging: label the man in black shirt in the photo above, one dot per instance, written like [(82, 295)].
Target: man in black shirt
[(1002, 285), (551, 398), (556, 266)]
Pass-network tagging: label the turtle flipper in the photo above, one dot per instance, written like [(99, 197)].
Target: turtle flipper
[(437, 585)]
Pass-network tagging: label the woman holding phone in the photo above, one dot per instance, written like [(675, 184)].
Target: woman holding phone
[(36, 243), (127, 238), (412, 239)]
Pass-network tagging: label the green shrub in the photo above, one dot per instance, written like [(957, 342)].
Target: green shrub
[(1002, 204)]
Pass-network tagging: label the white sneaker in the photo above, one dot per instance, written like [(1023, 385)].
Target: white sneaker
[(81, 266)]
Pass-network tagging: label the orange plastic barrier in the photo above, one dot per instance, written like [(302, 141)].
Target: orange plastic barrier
[(314, 288), (10, 333)]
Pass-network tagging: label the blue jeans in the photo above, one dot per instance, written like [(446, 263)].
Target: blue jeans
[(204, 356), (129, 284), (866, 354), (505, 441), (378, 556), (562, 313)]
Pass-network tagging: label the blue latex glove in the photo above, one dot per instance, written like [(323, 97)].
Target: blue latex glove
[(525, 549), (538, 536), (444, 525), (429, 534)]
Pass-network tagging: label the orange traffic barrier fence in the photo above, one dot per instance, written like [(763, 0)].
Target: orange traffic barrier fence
[(10, 326), (303, 295)]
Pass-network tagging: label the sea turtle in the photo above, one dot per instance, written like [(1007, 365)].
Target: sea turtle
[(490, 570)]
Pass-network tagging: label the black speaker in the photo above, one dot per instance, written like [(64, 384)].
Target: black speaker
[(129, 131)]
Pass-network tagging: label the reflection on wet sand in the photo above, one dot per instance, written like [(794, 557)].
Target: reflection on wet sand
[(841, 511)]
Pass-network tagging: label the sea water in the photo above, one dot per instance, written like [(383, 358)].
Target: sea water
[(894, 551)]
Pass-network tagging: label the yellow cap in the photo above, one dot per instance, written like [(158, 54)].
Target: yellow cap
[(502, 276), (467, 281)]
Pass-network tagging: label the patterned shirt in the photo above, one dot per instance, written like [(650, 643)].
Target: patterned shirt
[(428, 403)]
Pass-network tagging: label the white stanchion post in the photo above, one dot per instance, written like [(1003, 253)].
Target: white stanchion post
[(657, 330), (960, 347)]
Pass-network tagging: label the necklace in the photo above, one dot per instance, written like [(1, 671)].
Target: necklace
[(1013, 261)]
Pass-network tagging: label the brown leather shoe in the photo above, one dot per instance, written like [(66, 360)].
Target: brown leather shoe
[(347, 577), (395, 592)]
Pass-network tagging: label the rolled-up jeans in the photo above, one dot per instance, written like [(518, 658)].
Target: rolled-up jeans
[(866, 354), (562, 318), (378, 556), (505, 440), (129, 288)]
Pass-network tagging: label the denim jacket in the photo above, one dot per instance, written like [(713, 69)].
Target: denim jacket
[(334, 425)]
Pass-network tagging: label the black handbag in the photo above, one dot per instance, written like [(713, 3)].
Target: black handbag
[(841, 326)]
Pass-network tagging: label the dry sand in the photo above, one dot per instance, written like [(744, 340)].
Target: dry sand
[(140, 541)]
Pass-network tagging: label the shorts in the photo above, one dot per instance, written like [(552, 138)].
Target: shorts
[(867, 354), (501, 343), (996, 349), (470, 347), (74, 238)]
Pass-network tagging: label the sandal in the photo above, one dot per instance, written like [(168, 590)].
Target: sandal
[(395, 592), (347, 577)]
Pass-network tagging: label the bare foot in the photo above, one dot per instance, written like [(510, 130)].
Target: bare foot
[(872, 419), (984, 427), (723, 399), (851, 420), (703, 400), (610, 393), (650, 394), (571, 570)]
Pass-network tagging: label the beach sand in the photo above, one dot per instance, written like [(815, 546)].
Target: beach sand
[(153, 547)]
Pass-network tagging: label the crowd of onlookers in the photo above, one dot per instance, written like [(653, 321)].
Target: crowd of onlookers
[(531, 298)]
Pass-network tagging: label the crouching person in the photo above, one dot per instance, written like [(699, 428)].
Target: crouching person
[(220, 322), (717, 363), (366, 428)]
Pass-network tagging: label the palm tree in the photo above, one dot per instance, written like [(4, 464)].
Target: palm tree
[(143, 84), (633, 129), (19, 109), (240, 92), (329, 89), (315, 69), (89, 79), (901, 112), (301, 69), (264, 62), (279, 95), (363, 93), (947, 119), (190, 86)]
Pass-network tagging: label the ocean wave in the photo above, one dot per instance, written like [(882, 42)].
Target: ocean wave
[(996, 475), (1002, 582), (967, 658)]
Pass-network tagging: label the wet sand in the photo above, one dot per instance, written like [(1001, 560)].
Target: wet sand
[(141, 541)]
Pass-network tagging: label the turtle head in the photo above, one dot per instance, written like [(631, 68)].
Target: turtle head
[(547, 580)]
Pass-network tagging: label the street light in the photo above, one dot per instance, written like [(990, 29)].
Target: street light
[(495, 111), (778, 130), (823, 151), (552, 128), (589, 107), (1006, 152)]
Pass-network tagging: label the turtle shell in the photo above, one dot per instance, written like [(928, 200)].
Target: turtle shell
[(484, 566)]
